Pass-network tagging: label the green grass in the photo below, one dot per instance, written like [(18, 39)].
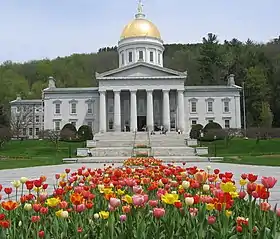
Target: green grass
[(241, 151), (28, 153)]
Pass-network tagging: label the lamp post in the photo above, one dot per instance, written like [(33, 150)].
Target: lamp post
[(200, 137), (215, 146)]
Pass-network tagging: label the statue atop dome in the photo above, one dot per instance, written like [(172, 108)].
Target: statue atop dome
[(140, 6), (140, 13)]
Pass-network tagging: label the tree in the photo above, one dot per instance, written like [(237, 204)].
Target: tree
[(68, 132), (266, 116), (196, 131), (21, 119), (5, 135), (85, 133), (53, 136)]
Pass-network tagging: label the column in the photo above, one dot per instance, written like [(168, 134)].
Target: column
[(166, 110), (150, 110), (102, 114), (181, 110), (133, 111), (117, 111)]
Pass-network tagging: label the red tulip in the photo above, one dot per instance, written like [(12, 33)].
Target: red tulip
[(8, 190), (41, 234), (211, 220), (252, 177)]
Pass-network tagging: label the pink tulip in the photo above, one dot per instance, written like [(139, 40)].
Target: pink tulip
[(265, 206), (122, 217), (269, 182), (137, 189), (158, 212), (115, 202), (138, 200), (153, 203), (278, 212), (255, 194), (211, 220), (80, 208)]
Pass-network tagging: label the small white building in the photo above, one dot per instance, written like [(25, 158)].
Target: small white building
[(141, 92), (27, 118)]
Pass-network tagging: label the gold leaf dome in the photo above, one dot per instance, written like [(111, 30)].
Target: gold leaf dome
[(140, 27)]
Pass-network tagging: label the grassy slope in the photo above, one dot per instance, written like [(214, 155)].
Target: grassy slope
[(34, 153)]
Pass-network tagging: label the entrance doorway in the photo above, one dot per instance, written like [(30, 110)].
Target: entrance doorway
[(141, 122)]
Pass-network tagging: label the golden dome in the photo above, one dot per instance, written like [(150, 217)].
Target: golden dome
[(140, 27)]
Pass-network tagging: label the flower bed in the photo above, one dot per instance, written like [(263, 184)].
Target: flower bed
[(154, 202), (142, 161)]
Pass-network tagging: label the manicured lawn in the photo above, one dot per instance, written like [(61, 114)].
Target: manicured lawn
[(241, 151), (30, 153)]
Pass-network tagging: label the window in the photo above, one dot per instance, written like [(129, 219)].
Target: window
[(210, 106), (227, 123), (73, 108), (193, 107), (158, 58), (141, 55), (90, 108), (194, 122), (130, 56), (73, 123), (18, 109), (37, 131), (89, 123), (151, 56), (210, 121), (24, 131), (43, 118), (226, 106), (57, 125), (30, 132), (37, 119), (57, 108), (122, 59)]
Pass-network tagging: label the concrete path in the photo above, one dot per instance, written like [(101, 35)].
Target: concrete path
[(7, 176)]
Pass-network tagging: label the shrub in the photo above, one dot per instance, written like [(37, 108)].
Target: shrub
[(85, 133), (211, 130), (68, 132), (195, 131)]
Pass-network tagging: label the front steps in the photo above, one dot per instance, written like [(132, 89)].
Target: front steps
[(118, 146)]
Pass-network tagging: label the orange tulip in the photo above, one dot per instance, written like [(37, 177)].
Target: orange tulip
[(9, 205)]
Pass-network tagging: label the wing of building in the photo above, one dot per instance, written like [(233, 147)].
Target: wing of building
[(141, 93)]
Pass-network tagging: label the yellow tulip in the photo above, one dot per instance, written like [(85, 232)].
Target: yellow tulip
[(104, 214), (242, 182), (120, 192), (228, 187), (210, 206), (127, 199), (170, 198), (228, 213), (52, 202), (23, 180), (16, 183)]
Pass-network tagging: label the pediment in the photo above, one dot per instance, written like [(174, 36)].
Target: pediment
[(140, 69)]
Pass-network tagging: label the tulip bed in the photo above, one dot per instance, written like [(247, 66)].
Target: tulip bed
[(165, 201), (142, 161)]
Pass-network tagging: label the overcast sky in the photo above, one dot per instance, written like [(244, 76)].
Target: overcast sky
[(36, 29)]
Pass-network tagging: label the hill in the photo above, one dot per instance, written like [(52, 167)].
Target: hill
[(209, 62)]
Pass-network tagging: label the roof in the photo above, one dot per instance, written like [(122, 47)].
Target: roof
[(26, 102), (70, 90), (141, 63), (213, 88)]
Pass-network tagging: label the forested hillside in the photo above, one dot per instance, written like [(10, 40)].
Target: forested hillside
[(209, 62)]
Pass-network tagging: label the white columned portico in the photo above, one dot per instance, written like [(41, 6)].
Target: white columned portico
[(166, 110), (150, 110), (102, 113), (133, 111), (181, 110), (117, 111)]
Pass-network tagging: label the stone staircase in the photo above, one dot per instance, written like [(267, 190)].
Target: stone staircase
[(118, 146)]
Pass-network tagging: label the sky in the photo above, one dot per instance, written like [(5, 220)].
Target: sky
[(37, 29)]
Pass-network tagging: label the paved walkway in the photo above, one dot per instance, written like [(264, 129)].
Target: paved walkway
[(7, 176)]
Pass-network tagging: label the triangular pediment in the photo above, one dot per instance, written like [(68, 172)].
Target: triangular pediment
[(141, 69)]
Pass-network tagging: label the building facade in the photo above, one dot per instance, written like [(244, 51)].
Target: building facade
[(141, 93)]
